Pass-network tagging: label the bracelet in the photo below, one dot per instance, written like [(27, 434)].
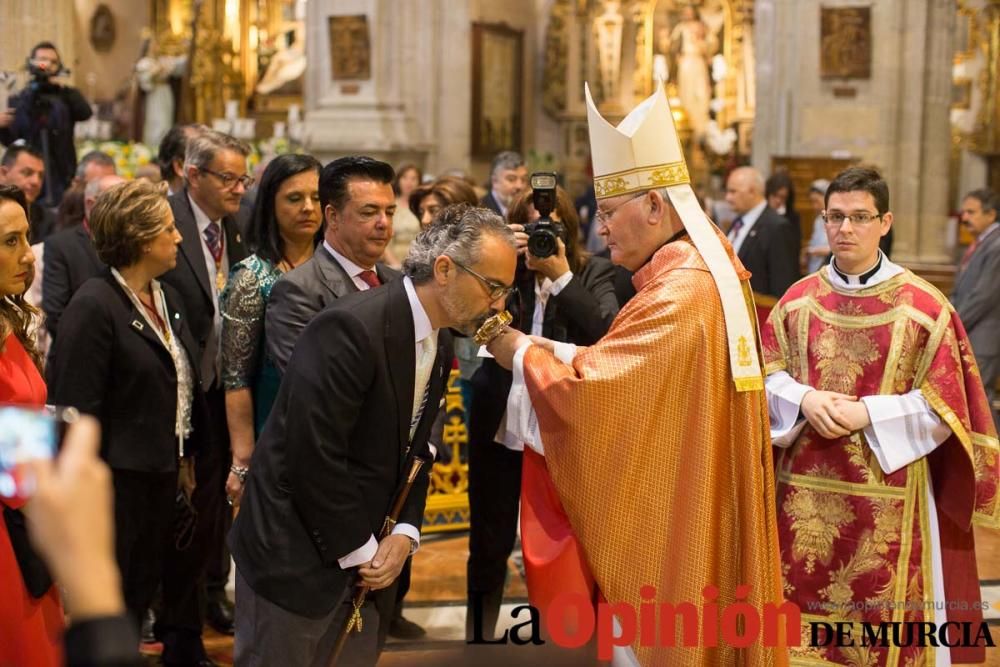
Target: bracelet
[(240, 472)]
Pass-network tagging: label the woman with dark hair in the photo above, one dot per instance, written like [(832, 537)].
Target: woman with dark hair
[(568, 297), (404, 224), (287, 221), (31, 619), (126, 356), (780, 194), (428, 199)]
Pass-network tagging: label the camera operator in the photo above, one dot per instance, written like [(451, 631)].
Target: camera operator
[(44, 115), (563, 294)]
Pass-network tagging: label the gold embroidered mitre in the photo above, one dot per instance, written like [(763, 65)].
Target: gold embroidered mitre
[(644, 153)]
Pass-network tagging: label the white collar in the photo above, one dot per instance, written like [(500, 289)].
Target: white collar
[(496, 198), (882, 271), (353, 270), (200, 217), (986, 232), (421, 322)]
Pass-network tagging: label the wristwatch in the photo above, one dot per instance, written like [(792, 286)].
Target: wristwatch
[(240, 472)]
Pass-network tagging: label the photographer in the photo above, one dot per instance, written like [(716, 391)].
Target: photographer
[(563, 294), (44, 115)]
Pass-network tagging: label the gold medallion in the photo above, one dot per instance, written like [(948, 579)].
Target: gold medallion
[(220, 280), (492, 328)]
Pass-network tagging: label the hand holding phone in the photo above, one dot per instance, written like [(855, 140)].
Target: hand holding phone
[(26, 435)]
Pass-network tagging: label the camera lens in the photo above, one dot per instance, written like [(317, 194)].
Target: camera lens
[(542, 243)]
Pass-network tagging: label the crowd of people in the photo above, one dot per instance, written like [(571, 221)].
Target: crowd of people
[(282, 348)]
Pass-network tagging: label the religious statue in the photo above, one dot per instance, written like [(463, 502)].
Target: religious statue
[(286, 66), (153, 72), (608, 30), (692, 44)]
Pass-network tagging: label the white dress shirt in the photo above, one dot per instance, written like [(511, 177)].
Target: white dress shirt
[(211, 364), (426, 351), (749, 220), (352, 269)]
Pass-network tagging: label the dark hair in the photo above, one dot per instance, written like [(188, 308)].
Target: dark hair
[(71, 209), (263, 235), (777, 181), (401, 171), (334, 178), (15, 149), (95, 157), (449, 189), (575, 255), (988, 199), (174, 145), (16, 314), (45, 45), (864, 179)]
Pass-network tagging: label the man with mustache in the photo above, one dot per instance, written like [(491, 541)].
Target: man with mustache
[(358, 204)]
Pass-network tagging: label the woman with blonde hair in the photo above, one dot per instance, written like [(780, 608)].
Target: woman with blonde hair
[(125, 355)]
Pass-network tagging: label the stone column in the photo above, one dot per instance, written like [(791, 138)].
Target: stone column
[(376, 116)]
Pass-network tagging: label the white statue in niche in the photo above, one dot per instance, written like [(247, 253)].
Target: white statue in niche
[(153, 72), (692, 44), (287, 65), (608, 28)]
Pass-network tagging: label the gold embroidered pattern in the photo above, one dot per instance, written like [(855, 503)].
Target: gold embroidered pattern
[(909, 354), (817, 519), (842, 357), (866, 559), (671, 174), (970, 360), (864, 458), (609, 187)]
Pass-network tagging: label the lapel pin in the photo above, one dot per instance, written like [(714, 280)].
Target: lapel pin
[(137, 325)]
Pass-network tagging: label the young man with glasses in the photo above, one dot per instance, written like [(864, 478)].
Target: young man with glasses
[(887, 452), (209, 216)]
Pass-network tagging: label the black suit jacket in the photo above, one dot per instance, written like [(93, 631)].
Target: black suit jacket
[(490, 202), (70, 261), (333, 451), (109, 363), (190, 277), (581, 313), (299, 295), (771, 253)]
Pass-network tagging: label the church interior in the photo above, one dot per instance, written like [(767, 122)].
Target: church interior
[(800, 87)]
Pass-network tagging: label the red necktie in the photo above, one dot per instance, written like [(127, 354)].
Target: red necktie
[(735, 229), (370, 278), (967, 256)]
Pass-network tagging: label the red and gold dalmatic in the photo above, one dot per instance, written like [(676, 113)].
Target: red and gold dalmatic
[(853, 538), (663, 468)]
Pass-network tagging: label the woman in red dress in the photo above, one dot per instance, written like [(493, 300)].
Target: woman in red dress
[(30, 627)]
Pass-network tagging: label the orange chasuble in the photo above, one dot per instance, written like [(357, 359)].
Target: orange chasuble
[(663, 468), (856, 543)]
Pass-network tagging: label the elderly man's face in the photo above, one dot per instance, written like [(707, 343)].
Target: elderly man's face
[(468, 300), (363, 227), (974, 217), (26, 174), (742, 193), (623, 224), (509, 183)]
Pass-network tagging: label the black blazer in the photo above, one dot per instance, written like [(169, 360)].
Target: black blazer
[(490, 202), (771, 253), (333, 451), (581, 313), (190, 277), (109, 363), (70, 261)]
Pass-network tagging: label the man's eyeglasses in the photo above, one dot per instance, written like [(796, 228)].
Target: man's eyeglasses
[(604, 217), (229, 181), (496, 290), (859, 219)]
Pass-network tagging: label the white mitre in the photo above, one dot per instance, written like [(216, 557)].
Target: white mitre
[(644, 153)]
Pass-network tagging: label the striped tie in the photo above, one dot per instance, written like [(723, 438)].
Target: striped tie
[(422, 376)]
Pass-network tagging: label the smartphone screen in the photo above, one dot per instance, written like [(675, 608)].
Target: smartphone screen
[(25, 434)]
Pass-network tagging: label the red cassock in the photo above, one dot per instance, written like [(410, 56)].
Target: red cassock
[(30, 628)]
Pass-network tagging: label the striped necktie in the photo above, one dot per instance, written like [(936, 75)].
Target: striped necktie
[(422, 377)]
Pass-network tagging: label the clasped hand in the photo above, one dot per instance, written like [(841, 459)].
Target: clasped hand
[(388, 562), (833, 414)]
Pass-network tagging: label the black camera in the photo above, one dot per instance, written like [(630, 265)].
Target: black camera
[(544, 234)]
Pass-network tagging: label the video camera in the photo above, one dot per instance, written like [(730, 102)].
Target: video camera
[(543, 234)]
